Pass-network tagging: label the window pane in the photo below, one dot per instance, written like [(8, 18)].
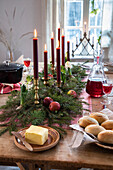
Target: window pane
[(99, 20), (96, 19), (72, 33), (92, 21), (96, 32), (73, 13)]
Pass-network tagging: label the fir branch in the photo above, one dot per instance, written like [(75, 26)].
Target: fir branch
[(3, 130), (30, 113)]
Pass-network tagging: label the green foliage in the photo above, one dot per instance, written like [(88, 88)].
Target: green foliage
[(29, 113), (94, 11), (3, 130)]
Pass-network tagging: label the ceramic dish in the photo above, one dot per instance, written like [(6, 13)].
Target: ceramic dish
[(53, 139)]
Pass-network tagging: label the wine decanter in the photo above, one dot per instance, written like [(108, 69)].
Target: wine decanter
[(96, 78)]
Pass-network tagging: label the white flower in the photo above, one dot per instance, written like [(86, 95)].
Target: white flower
[(67, 65)]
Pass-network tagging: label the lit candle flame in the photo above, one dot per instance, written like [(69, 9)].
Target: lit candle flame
[(62, 31), (45, 47), (58, 25), (52, 35), (85, 23), (35, 33)]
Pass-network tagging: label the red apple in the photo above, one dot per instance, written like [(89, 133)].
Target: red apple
[(54, 106), (47, 101), (72, 93)]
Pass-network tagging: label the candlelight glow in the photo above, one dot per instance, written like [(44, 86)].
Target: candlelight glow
[(52, 35), (58, 25), (62, 31), (85, 23), (35, 33), (45, 47)]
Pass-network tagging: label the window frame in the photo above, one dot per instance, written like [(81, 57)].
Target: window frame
[(85, 16)]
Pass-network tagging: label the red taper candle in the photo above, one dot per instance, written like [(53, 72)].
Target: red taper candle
[(68, 50), (58, 65), (59, 34), (63, 49), (52, 49), (35, 54), (45, 63)]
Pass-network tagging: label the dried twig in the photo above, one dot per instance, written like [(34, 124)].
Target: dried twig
[(14, 12), (3, 36)]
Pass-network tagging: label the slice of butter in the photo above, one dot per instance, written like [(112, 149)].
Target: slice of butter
[(36, 135)]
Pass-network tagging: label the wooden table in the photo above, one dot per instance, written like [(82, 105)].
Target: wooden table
[(61, 156)]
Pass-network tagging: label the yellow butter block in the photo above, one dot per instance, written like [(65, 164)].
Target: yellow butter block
[(36, 135)]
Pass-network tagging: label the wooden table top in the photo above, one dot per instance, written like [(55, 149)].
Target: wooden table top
[(62, 155)]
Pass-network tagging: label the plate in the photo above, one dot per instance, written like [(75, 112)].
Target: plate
[(107, 146), (53, 139), (103, 145)]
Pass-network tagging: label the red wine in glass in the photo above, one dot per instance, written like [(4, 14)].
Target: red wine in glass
[(107, 88), (27, 62)]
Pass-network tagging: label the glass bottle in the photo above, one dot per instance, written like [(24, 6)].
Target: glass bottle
[(96, 78)]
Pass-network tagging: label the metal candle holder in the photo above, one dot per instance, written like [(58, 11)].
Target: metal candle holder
[(58, 84), (46, 81), (36, 88), (88, 43)]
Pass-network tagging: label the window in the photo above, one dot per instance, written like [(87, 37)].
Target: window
[(78, 19), (73, 19), (95, 21)]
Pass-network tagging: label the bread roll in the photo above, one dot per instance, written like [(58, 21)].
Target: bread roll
[(108, 124), (86, 120), (106, 136), (100, 117), (94, 129)]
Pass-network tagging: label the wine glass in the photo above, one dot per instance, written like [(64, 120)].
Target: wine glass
[(27, 62), (107, 88)]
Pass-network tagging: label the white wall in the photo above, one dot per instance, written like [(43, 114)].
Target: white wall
[(29, 15)]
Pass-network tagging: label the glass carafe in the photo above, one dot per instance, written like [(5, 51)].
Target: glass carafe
[(96, 78)]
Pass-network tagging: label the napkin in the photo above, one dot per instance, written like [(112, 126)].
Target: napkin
[(108, 112), (7, 88), (80, 137)]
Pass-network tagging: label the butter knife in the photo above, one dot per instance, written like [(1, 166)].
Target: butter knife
[(27, 145)]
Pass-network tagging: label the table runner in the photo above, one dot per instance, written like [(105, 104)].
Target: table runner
[(7, 88)]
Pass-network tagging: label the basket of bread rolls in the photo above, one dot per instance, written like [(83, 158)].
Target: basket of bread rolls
[(99, 125)]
